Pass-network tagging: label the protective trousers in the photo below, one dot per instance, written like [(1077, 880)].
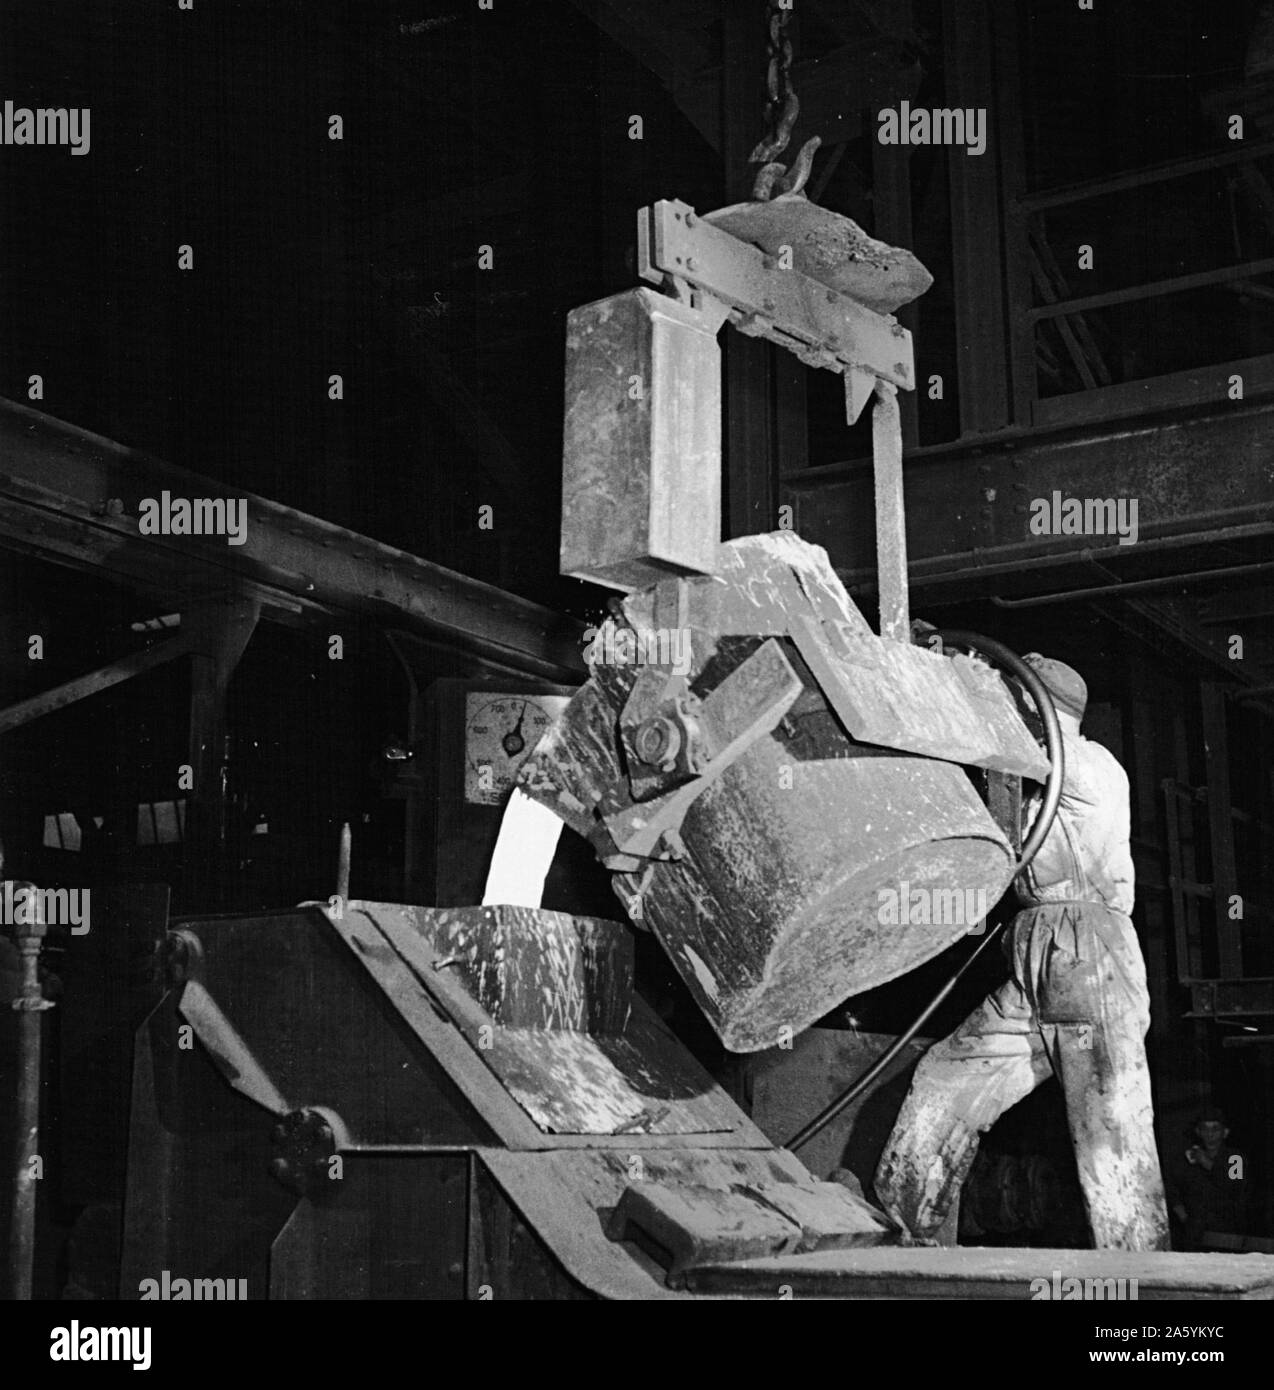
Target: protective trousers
[(1076, 1005)]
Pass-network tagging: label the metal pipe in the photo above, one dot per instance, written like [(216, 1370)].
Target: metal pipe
[(29, 1006), (1136, 586)]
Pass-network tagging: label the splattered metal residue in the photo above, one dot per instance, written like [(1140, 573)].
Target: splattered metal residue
[(533, 968)]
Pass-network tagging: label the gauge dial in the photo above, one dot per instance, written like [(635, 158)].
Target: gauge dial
[(500, 732)]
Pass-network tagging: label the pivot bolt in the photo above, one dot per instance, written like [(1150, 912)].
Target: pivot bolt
[(656, 741)]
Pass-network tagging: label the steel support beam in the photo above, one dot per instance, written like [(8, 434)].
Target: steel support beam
[(1141, 178), (83, 686), (1155, 289), (1201, 481), (977, 255), (57, 485), (1216, 745), (219, 633), (1015, 221), (1234, 998)]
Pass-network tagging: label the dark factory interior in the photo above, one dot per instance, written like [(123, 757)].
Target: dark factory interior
[(333, 259)]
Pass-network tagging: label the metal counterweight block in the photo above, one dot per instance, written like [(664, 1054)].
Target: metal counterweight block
[(641, 486)]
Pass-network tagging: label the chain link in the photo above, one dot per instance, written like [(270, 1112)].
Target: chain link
[(783, 106)]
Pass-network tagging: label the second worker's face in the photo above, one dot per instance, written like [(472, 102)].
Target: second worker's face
[(1211, 1132)]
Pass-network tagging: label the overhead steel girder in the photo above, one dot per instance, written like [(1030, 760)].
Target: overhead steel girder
[(1197, 482), (73, 497)]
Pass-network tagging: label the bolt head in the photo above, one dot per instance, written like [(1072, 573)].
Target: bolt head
[(651, 741)]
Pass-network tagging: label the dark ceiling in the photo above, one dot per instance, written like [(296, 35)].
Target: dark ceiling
[(312, 257), (462, 127)]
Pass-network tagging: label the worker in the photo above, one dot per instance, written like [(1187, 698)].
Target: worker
[(1209, 1188), (1075, 1006)]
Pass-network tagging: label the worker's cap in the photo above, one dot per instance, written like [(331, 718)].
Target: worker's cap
[(1062, 682), (1212, 1115)]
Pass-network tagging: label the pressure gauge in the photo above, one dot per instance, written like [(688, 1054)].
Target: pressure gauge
[(499, 734)]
